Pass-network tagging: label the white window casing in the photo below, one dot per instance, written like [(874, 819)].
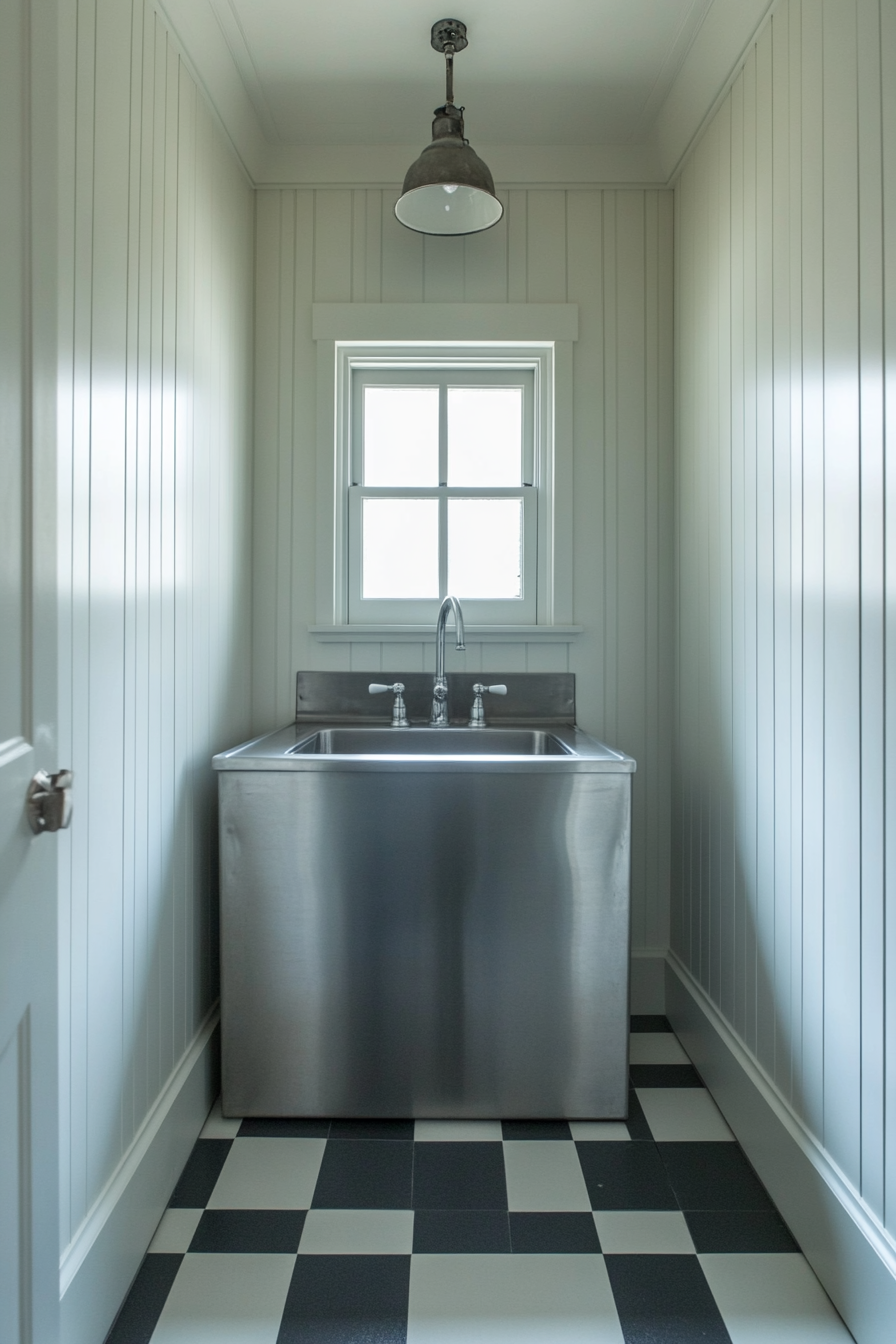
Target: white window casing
[(533, 338)]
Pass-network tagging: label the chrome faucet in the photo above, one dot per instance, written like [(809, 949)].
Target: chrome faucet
[(439, 716)]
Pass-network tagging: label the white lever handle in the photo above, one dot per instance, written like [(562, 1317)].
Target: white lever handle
[(399, 713), (477, 713)]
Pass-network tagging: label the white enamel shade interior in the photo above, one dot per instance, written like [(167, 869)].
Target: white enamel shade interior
[(448, 209)]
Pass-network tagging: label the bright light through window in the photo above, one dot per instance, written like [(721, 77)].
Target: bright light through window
[(400, 539), (485, 435), (485, 548), (401, 436)]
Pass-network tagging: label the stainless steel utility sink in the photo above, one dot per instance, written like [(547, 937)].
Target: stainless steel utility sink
[(431, 742), (425, 922)]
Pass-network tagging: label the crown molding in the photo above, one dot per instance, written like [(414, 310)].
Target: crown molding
[(198, 35), (720, 45)]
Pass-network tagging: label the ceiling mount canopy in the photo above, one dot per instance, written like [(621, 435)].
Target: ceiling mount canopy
[(448, 189)]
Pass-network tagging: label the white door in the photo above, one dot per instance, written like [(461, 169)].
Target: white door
[(29, 1240)]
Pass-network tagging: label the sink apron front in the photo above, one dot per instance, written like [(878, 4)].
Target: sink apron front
[(426, 942)]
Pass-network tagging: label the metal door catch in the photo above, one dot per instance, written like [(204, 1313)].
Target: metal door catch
[(48, 802)]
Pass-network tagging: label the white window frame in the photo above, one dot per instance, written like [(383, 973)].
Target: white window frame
[(536, 336), (443, 370)]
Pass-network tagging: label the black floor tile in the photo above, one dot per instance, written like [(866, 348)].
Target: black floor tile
[(553, 1234), (143, 1305), (535, 1129), (713, 1176), (249, 1231), (664, 1075), (664, 1299), (743, 1233), (284, 1129), (625, 1176), (372, 1129), (347, 1299), (461, 1232), (200, 1174), (359, 1174), (642, 1022), (459, 1176), (638, 1128)]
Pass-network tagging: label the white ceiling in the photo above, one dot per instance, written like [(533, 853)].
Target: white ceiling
[(349, 72), (341, 92)]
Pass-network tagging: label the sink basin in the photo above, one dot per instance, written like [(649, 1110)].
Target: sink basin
[(431, 742)]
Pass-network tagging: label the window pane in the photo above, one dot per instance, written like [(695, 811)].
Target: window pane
[(485, 435), (401, 436), (400, 548), (485, 547)]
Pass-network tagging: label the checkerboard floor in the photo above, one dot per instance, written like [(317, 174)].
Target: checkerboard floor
[(652, 1231)]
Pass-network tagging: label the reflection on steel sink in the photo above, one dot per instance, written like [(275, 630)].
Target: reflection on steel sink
[(431, 742)]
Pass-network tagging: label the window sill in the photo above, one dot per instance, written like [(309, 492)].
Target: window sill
[(475, 634)]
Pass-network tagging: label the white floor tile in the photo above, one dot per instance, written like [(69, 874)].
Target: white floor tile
[(643, 1233), (175, 1232), (599, 1131), (544, 1176), (655, 1047), (507, 1299), (226, 1299), (269, 1174), (216, 1127), (679, 1114), (358, 1232), (766, 1298), (457, 1131)]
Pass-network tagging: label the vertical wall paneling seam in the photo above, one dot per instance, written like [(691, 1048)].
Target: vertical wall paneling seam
[(128, 756), (824, 625), (870, 341), (888, 238), (297, 337), (796, 545), (645, 643), (65, 442), (279, 578), (85, 464)]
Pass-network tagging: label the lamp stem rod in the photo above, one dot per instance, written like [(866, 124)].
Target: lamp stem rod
[(449, 75)]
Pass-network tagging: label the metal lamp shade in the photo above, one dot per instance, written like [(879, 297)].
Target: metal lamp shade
[(448, 189)]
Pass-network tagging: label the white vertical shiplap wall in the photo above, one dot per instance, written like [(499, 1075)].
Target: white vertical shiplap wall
[(786, 519), (155, 471), (611, 253)]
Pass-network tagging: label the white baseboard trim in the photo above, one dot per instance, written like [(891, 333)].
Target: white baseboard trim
[(99, 1264), (648, 980), (843, 1240)]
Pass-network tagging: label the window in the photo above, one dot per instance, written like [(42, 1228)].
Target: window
[(442, 492), (444, 465)]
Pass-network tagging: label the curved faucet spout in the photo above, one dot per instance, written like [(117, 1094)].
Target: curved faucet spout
[(439, 716), (448, 604)]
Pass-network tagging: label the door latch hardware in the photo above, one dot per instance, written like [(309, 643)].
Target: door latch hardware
[(48, 802)]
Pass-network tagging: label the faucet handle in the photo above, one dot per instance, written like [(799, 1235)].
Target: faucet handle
[(399, 713), (477, 713)]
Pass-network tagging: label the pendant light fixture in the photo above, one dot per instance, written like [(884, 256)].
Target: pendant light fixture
[(448, 190)]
